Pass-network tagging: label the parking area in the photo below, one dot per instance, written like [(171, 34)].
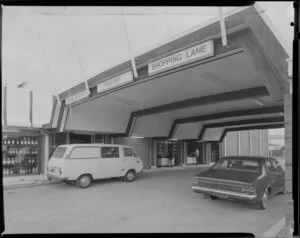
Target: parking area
[(155, 202)]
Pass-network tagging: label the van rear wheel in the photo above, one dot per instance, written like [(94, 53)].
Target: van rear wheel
[(129, 176), (84, 181)]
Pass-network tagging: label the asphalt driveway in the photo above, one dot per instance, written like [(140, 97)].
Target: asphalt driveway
[(156, 202)]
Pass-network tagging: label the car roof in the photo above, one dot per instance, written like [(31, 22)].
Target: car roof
[(257, 158)]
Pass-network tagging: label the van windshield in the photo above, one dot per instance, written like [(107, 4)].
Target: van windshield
[(59, 152)]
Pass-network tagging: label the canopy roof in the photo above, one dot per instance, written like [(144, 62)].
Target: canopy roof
[(238, 86)]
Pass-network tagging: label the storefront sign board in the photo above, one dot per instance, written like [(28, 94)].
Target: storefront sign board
[(76, 97), (115, 82), (194, 53)]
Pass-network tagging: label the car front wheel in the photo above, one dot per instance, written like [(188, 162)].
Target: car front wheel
[(84, 181), (129, 176), (263, 203)]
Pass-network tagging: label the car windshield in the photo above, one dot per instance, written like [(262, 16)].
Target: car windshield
[(59, 152), (237, 165)]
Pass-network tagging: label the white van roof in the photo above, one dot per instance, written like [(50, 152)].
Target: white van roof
[(95, 144)]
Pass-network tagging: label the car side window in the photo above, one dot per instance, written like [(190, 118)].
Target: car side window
[(274, 165), (128, 152), (85, 153), (134, 154), (110, 152), (269, 167)]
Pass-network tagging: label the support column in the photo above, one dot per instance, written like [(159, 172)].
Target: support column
[(239, 142), (225, 151), (154, 155), (184, 153), (259, 140), (289, 214), (250, 143), (46, 154)]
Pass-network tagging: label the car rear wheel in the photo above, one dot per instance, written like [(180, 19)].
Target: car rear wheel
[(84, 181), (263, 203), (129, 176)]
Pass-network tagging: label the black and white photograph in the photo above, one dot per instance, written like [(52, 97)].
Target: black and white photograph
[(158, 119)]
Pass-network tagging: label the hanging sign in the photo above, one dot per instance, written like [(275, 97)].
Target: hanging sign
[(76, 97), (196, 52), (115, 82)]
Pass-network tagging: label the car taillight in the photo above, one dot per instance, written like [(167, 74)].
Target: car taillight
[(60, 171)]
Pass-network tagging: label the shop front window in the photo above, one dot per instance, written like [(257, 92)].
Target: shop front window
[(195, 152), (168, 153), (20, 155), (79, 139)]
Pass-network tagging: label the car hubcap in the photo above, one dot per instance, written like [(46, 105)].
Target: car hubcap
[(130, 176), (265, 199), (85, 181)]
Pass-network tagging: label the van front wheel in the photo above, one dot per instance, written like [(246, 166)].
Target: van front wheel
[(84, 181), (130, 176)]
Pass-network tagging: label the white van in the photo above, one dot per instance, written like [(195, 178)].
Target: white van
[(83, 163)]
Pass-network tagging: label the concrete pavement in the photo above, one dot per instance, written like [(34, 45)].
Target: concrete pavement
[(163, 202)]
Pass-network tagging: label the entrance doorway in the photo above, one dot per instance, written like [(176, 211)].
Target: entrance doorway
[(195, 149), (215, 152), (168, 153)]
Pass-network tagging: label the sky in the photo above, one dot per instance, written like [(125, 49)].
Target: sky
[(55, 48)]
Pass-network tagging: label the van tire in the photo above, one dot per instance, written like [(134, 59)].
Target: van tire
[(84, 181), (129, 176)]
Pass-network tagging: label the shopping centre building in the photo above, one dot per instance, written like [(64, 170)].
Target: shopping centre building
[(192, 95)]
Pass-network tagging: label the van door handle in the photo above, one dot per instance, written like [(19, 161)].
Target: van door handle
[(138, 161)]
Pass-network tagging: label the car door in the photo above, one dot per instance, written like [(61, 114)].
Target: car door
[(111, 163), (280, 176), (128, 158), (273, 177)]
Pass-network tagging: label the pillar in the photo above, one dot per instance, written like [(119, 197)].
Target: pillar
[(289, 214), (46, 154)]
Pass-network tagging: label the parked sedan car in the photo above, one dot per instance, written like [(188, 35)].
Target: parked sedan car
[(246, 178)]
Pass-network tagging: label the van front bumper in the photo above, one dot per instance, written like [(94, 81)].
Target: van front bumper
[(56, 177)]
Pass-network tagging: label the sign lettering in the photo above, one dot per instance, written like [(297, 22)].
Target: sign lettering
[(77, 97), (115, 82), (197, 52)]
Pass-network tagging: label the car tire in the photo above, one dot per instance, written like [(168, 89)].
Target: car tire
[(68, 182), (84, 181), (263, 203), (213, 197), (129, 176)]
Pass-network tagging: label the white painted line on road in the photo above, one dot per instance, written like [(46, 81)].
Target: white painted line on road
[(275, 229)]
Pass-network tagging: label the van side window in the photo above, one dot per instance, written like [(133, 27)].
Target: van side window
[(110, 152), (85, 153), (128, 152)]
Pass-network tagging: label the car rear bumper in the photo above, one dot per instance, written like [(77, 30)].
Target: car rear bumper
[(56, 177), (224, 194)]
